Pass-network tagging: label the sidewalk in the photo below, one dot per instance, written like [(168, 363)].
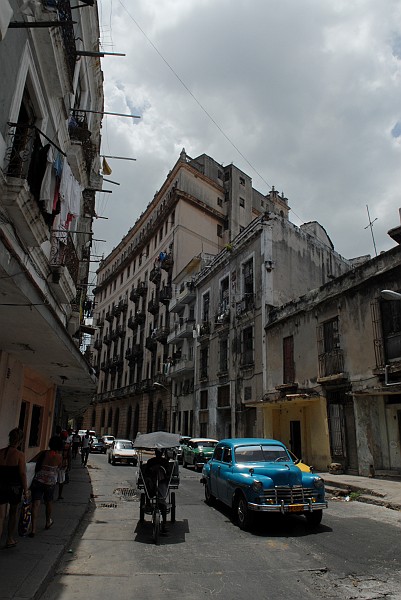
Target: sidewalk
[(26, 569)]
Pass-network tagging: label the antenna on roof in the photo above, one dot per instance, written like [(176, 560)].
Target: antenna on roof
[(371, 228)]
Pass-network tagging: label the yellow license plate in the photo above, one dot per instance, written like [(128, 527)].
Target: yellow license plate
[(296, 508)]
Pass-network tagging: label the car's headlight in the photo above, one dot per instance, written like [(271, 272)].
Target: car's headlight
[(257, 486), (318, 483)]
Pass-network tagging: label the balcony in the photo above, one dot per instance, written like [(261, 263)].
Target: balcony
[(331, 365), (204, 329), (186, 295), (151, 343), (182, 329), (165, 294), (161, 334), (139, 317), (245, 305), (183, 366), (132, 323), (107, 339), (166, 262), (153, 306), (222, 318), (134, 296), (114, 335), (78, 127), (142, 288), (104, 366), (109, 316), (134, 354), (146, 385), (116, 364), (155, 275), (98, 344)]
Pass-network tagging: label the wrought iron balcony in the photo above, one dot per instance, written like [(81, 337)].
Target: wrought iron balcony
[(222, 318), (153, 306), (166, 294), (134, 353), (78, 126), (205, 328), (151, 343), (140, 317), (98, 344), (134, 295), (155, 275), (246, 304), (167, 263), (161, 334), (109, 316), (132, 324), (107, 339), (331, 363), (63, 254), (142, 288)]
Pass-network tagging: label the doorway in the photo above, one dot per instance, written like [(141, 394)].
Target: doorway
[(295, 438)]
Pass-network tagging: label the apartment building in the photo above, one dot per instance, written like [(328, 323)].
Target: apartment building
[(49, 174), (269, 263), (144, 285), (333, 389)]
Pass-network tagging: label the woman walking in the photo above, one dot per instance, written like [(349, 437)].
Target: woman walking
[(12, 483), (45, 480)]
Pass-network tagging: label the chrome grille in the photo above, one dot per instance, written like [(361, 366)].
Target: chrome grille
[(290, 495)]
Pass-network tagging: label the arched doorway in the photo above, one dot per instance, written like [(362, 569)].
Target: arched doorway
[(150, 417), (129, 419), (116, 422), (136, 421), (159, 422)]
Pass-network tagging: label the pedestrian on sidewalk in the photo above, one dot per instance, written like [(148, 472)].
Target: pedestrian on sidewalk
[(12, 483), (44, 481), (76, 442), (63, 475), (85, 448)]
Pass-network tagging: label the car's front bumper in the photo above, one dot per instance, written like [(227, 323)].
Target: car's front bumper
[(288, 508)]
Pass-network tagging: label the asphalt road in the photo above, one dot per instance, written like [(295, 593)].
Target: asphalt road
[(354, 554)]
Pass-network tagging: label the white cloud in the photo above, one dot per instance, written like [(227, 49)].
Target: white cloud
[(309, 93)]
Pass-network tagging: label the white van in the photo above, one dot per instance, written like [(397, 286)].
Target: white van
[(82, 433)]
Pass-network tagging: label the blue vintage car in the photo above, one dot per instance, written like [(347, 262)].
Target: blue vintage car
[(258, 475)]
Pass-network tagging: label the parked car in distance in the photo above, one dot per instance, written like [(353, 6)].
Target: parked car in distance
[(98, 445), (108, 440), (258, 475), (176, 453), (122, 451), (197, 451)]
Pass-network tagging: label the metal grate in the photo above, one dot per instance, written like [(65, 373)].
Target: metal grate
[(127, 493), (107, 505)]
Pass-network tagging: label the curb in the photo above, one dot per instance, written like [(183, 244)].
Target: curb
[(364, 495)]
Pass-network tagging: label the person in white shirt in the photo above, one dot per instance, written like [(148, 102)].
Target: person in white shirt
[(85, 448)]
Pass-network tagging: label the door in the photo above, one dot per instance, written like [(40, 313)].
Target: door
[(295, 438)]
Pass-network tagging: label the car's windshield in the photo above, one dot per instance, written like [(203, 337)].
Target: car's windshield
[(261, 453), (205, 444), (124, 446)]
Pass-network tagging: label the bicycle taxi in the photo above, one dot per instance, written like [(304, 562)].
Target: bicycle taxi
[(157, 480)]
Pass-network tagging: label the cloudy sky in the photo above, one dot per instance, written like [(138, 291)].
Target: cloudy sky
[(303, 95)]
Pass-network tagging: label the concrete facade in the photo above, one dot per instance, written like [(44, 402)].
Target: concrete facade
[(342, 402), (49, 171)]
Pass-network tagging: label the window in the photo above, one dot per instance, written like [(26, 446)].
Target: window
[(330, 335), (160, 234), (242, 180), (391, 326), (219, 202), (204, 356), (121, 278), (227, 176), (219, 230), (288, 360), (242, 202), (247, 346), (223, 396), (219, 174), (247, 393), (223, 358), (247, 274), (172, 219), (206, 304), (226, 455), (203, 399)]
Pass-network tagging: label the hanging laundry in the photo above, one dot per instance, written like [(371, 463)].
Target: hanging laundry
[(106, 167), (48, 186)]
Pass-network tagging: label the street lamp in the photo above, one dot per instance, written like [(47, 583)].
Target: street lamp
[(157, 384), (390, 295)]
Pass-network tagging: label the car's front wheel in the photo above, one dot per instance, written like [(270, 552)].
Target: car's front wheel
[(313, 519), (242, 513)]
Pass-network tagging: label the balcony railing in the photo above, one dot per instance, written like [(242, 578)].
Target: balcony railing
[(134, 353), (167, 263), (140, 317), (63, 254), (155, 275), (161, 334), (153, 306), (151, 343), (78, 126), (331, 363), (165, 294)]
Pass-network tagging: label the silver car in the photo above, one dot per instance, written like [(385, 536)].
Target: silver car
[(123, 451)]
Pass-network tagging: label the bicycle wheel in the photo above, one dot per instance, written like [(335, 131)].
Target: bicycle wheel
[(156, 525)]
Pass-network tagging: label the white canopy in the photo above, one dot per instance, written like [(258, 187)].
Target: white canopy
[(157, 439)]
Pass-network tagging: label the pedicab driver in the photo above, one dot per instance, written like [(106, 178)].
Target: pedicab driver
[(157, 470)]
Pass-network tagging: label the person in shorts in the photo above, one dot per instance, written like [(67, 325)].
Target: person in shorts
[(45, 480)]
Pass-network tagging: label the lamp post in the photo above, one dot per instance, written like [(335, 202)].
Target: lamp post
[(389, 295), (168, 390)]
